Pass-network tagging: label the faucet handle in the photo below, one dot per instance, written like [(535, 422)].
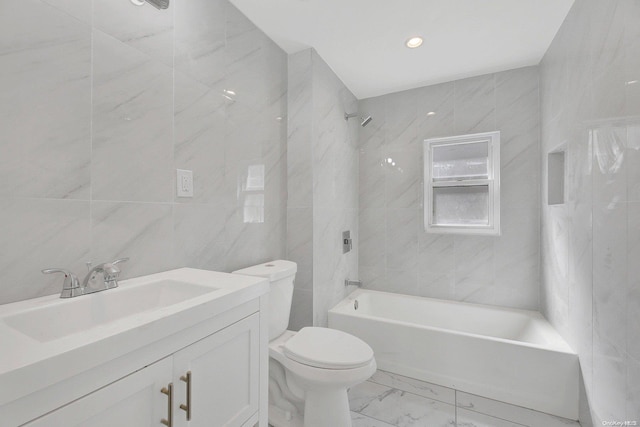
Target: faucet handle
[(112, 272), (110, 268), (66, 273), (71, 286)]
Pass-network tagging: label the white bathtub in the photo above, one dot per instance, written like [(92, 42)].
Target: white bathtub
[(514, 356)]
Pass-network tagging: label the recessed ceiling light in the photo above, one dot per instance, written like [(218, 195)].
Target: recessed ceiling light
[(414, 42), (431, 113)]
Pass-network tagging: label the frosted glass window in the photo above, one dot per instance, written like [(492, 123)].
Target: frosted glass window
[(461, 161), (462, 184), (461, 205)]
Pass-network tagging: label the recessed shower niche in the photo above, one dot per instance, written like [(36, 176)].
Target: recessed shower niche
[(555, 177)]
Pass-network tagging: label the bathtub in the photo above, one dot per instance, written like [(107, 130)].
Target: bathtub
[(513, 356)]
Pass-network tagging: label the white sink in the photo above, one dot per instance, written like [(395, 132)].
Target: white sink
[(80, 314)]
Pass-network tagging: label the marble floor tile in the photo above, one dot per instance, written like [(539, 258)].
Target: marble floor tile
[(465, 418), (359, 420), (411, 385), (399, 408), (507, 412)]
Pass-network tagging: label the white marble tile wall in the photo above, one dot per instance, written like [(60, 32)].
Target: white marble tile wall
[(335, 189), (395, 253), (590, 286), (388, 399), (300, 185), (100, 102), (322, 163)]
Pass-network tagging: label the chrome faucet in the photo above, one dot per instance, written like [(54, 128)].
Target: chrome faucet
[(72, 287), (110, 274)]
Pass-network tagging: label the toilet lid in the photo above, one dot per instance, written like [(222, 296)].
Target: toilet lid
[(328, 348)]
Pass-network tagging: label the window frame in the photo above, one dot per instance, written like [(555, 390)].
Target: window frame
[(492, 182)]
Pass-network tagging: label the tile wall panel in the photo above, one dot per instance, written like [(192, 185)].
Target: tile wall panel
[(100, 102)]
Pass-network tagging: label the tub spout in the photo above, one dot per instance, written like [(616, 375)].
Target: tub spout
[(357, 283)]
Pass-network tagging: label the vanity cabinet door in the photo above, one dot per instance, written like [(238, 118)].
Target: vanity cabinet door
[(133, 401), (223, 377)]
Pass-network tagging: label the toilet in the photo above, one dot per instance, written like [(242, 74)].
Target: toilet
[(311, 370)]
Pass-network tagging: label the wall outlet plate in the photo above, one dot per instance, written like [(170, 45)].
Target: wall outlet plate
[(184, 183)]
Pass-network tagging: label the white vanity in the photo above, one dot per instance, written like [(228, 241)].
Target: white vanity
[(181, 348)]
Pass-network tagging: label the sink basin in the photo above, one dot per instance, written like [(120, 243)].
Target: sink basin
[(70, 316)]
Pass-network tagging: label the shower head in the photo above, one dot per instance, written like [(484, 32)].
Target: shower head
[(158, 4), (363, 120)]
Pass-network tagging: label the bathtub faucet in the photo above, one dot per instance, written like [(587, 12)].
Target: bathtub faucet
[(357, 283)]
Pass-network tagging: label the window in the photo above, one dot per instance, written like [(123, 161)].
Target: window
[(462, 184)]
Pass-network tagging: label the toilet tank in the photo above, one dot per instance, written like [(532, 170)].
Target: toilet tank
[(280, 274)]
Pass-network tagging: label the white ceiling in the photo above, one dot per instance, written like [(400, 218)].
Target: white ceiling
[(363, 40)]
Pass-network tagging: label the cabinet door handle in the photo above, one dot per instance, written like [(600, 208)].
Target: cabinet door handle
[(187, 408), (168, 390)]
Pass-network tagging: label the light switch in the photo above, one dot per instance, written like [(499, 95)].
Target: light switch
[(184, 181)]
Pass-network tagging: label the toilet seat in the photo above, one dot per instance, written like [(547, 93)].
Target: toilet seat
[(331, 377), (327, 349)]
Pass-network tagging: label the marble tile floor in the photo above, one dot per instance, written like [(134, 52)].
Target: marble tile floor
[(389, 400)]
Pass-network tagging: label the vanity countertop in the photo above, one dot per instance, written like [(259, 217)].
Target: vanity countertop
[(42, 341)]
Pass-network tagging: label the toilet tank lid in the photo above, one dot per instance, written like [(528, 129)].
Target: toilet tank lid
[(273, 270)]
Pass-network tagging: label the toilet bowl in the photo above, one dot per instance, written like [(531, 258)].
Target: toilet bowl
[(319, 378), (311, 370)]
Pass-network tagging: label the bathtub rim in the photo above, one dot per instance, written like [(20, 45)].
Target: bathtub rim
[(559, 345)]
